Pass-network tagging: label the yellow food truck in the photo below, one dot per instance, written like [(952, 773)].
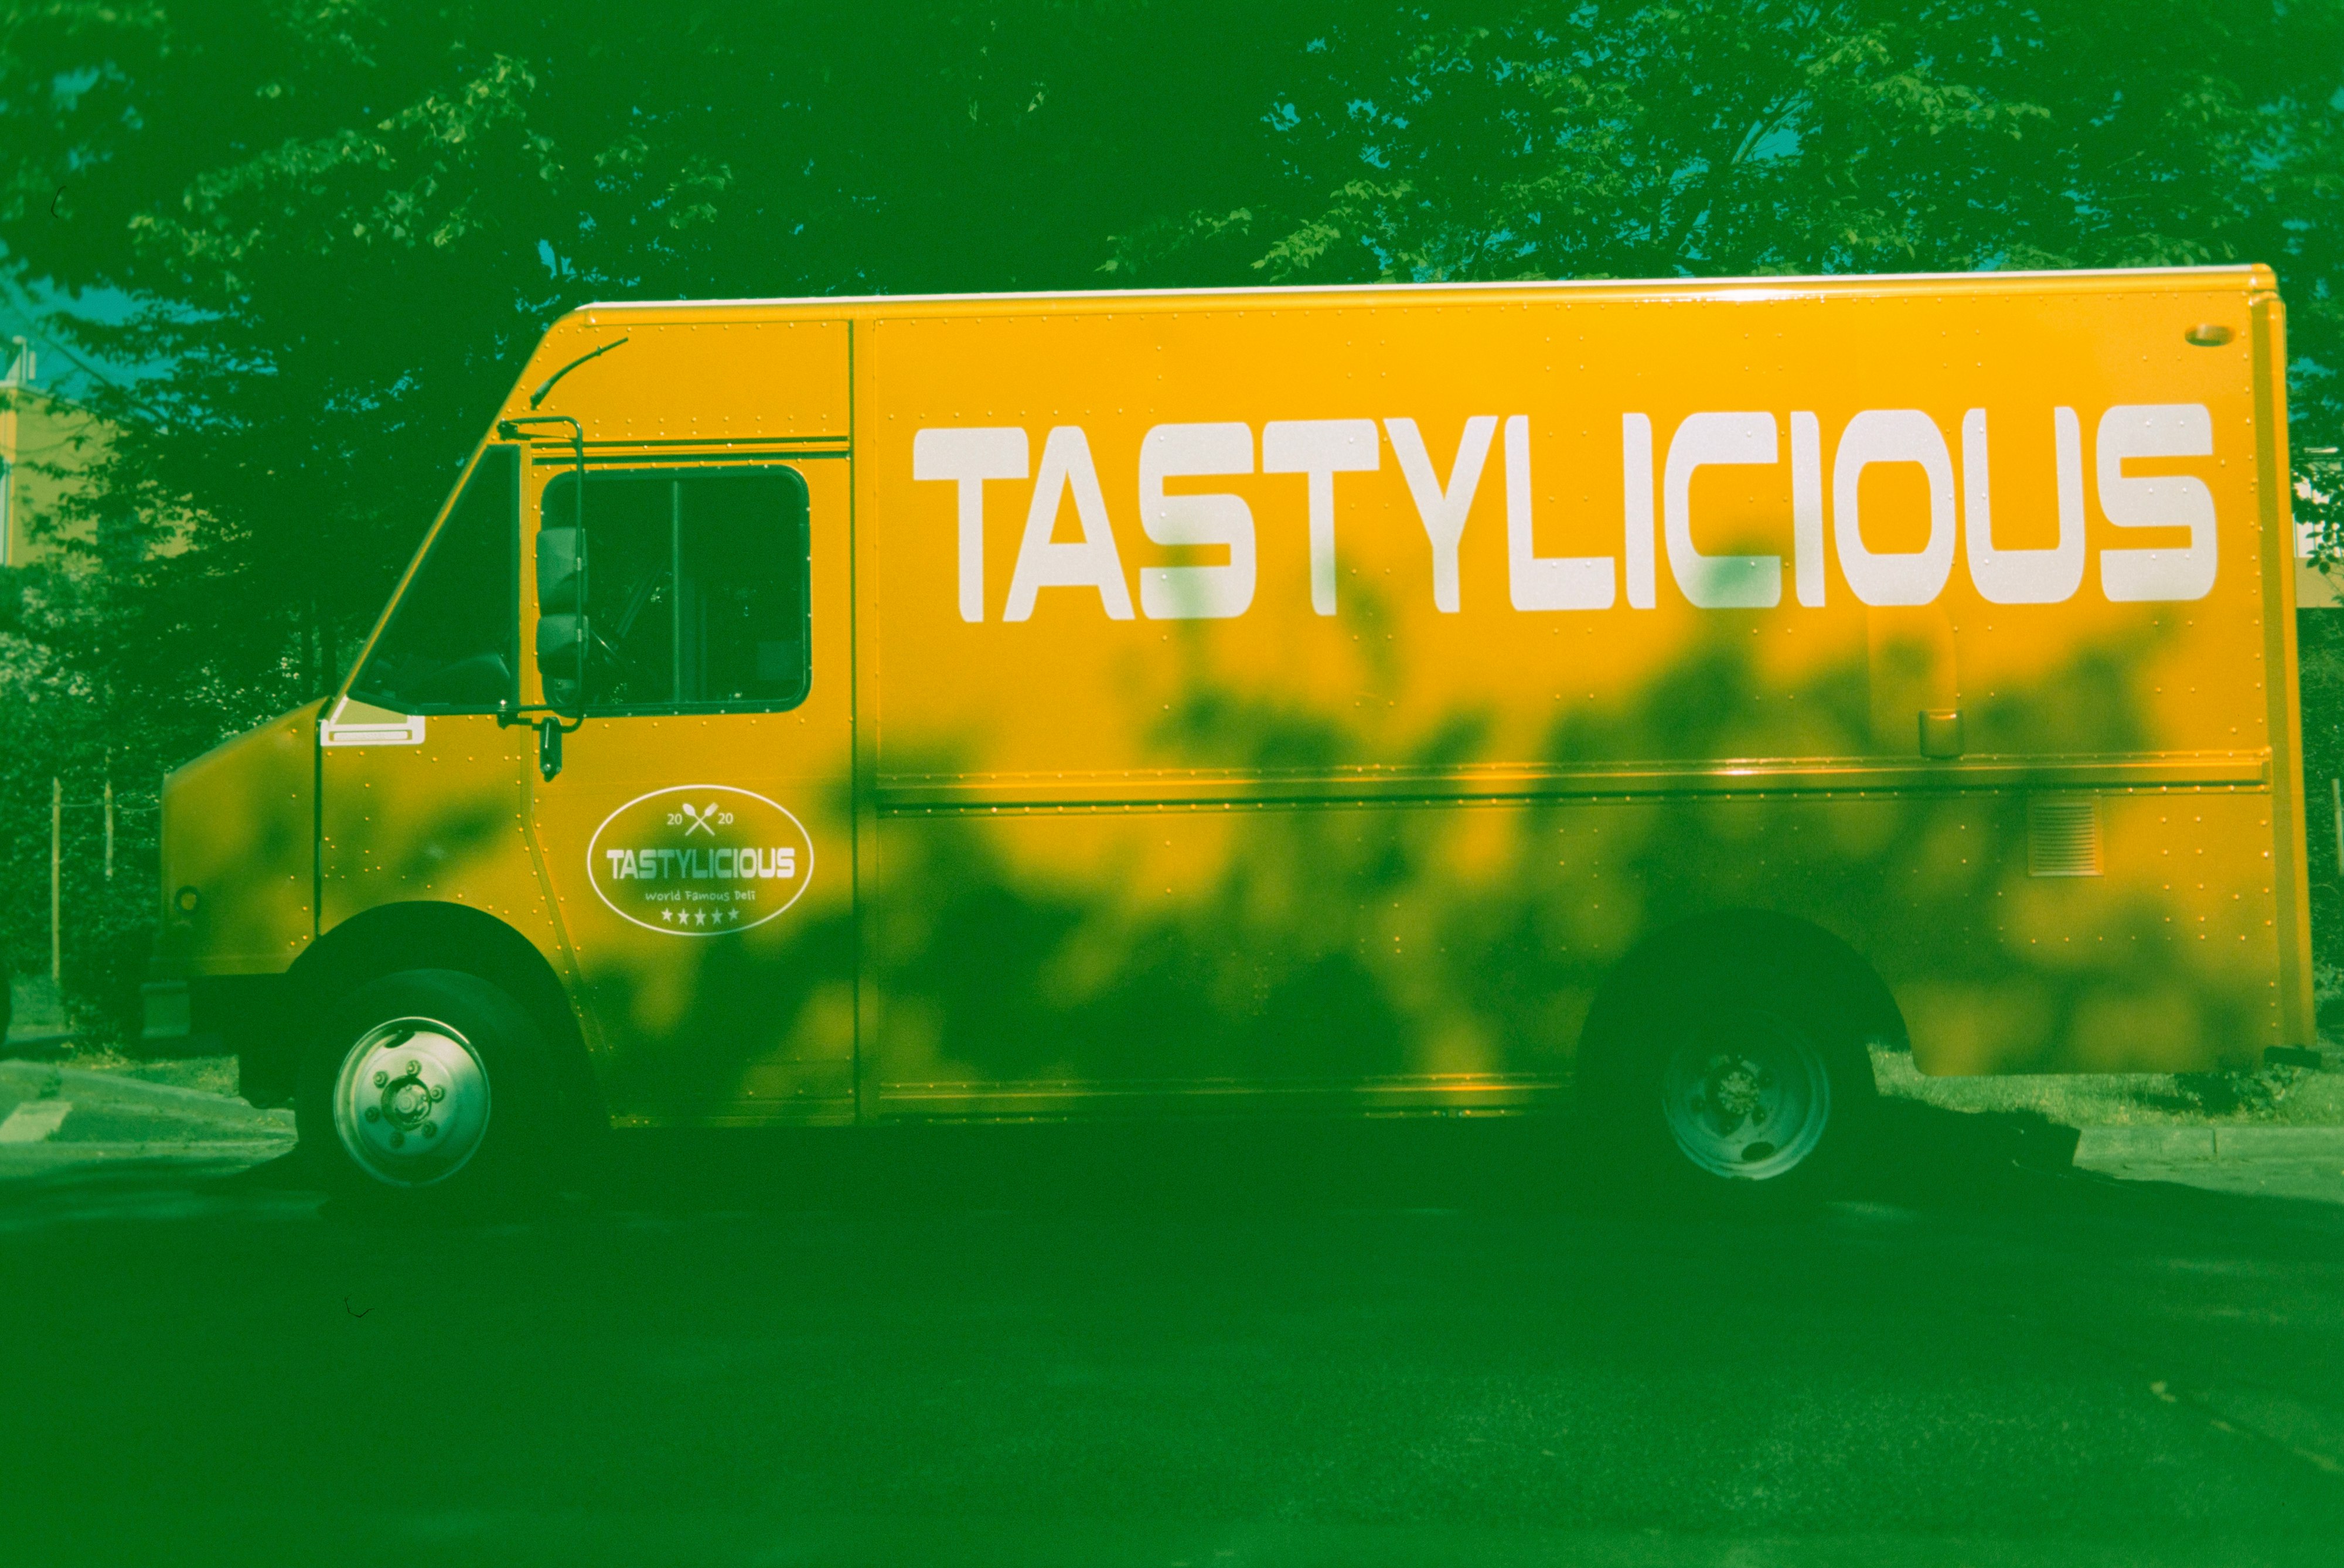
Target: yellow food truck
[(1460, 700)]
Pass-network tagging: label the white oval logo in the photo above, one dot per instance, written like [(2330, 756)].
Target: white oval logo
[(700, 860)]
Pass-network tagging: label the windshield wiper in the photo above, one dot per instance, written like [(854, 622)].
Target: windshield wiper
[(547, 385)]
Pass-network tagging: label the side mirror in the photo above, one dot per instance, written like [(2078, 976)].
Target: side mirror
[(561, 570), (561, 615), (562, 659)]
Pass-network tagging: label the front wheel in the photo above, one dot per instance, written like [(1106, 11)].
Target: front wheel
[(427, 1081)]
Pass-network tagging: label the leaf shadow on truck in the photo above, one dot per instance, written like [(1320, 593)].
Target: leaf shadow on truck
[(1306, 955), (1301, 950)]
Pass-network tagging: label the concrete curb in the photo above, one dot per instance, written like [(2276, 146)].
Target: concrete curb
[(2198, 1145), (251, 1150), (53, 1105), (45, 1079)]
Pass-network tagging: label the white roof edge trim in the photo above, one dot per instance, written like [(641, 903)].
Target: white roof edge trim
[(1779, 284)]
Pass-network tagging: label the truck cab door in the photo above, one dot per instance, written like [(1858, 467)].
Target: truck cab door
[(420, 799), (696, 828)]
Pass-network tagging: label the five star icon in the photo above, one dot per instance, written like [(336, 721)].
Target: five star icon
[(699, 918)]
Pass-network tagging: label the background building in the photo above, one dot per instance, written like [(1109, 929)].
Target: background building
[(47, 441)]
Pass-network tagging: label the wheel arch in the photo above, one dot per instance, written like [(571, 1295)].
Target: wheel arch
[(429, 934), (1740, 944)]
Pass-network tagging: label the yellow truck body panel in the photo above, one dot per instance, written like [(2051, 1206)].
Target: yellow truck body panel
[(1309, 698)]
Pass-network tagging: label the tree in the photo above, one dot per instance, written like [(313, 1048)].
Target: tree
[(350, 221)]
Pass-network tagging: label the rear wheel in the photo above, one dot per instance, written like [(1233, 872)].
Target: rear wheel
[(1741, 1093), (426, 1083)]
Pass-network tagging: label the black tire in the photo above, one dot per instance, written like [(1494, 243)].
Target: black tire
[(1750, 1091), (389, 1131)]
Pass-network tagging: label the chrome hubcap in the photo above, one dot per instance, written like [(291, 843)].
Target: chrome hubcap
[(412, 1102), (1746, 1097)]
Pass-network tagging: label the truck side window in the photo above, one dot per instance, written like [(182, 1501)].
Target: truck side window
[(697, 588), (451, 644)]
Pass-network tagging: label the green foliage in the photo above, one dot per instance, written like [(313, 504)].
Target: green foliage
[(1655, 140), (348, 221), (55, 725), (2320, 649)]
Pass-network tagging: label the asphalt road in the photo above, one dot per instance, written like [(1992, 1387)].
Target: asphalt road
[(1397, 1343)]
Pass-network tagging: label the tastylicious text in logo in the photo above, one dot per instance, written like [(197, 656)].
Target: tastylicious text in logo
[(1819, 492), (700, 860)]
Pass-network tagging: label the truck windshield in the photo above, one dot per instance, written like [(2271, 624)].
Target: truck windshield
[(450, 646)]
